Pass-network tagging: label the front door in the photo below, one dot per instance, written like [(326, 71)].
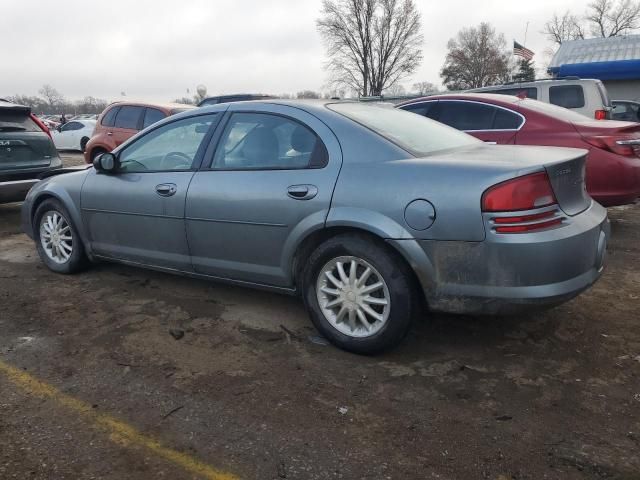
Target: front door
[(271, 178), (137, 214)]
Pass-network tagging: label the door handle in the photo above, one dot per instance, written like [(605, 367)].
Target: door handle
[(109, 133), (302, 192), (166, 189), (490, 142)]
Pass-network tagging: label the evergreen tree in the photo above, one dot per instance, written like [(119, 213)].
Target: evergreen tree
[(526, 71)]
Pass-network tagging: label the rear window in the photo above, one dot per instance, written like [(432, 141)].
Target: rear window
[(15, 121), (553, 111), (128, 117), (567, 96), (414, 133), (530, 92), (419, 108)]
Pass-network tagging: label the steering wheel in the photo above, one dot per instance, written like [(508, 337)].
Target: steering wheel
[(165, 164)]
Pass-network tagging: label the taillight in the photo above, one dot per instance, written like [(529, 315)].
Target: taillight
[(40, 124), (527, 223), (601, 115), (620, 144), (522, 193)]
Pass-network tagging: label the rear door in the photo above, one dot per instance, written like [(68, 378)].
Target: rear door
[(23, 145), (270, 181)]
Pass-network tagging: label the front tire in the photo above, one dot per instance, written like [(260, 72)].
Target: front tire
[(57, 239), (359, 294), (83, 144)]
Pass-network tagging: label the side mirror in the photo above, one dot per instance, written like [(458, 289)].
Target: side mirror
[(59, 128), (106, 163)]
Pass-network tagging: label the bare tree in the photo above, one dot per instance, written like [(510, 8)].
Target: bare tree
[(422, 88), (477, 57), (52, 96), (372, 44), (610, 18), (603, 18), (562, 28)]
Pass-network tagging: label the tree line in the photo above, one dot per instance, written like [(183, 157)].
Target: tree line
[(51, 102), (373, 45)]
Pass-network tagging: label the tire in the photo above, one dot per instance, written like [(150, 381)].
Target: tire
[(391, 322), (83, 144), (70, 261)]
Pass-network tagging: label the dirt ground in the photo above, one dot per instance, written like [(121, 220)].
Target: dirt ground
[(251, 392)]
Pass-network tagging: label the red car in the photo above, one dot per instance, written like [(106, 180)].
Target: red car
[(613, 164)]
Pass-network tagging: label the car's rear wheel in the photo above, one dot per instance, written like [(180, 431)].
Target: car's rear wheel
[(359, 294), (57, 239)]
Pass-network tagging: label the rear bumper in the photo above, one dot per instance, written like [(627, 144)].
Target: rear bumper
[(15, 191), (512, 273), (614, 180)]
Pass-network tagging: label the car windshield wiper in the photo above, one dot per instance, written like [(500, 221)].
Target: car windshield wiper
[(9, 128)]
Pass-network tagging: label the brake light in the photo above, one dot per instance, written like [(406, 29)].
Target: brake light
[(620, 144), (522, 193), (601, 115), (40, 124)]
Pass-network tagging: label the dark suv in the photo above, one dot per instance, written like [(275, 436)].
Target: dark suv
[(26, 151)]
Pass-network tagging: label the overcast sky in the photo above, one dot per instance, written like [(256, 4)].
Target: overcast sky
[(156, 49)]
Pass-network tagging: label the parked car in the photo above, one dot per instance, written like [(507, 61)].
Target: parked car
[(26, 151), (122, 120), (364, 210), (238, 97), (73, 135), (613, 166), (626, 110), (585, 96)]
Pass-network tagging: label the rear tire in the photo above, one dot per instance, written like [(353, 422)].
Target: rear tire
[(57, 239), (359, 294)]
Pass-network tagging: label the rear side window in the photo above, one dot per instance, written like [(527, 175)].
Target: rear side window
[(567, 96), (530, 92), (466, 115), (506, 120), (128, 117), (259, 141), (151, 116), (109, 119), (17, 121)]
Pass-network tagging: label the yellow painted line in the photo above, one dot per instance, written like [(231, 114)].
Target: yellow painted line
[(118, 431)]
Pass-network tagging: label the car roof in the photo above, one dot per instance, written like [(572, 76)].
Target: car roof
[(166, 105), (488, 97), (13, 106)]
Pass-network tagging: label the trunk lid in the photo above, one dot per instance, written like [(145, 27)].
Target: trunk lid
[(23, 144)]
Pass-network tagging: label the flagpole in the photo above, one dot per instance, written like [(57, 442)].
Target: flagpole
[(526, 31)]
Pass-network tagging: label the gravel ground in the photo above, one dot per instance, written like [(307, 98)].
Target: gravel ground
[(250, 390)]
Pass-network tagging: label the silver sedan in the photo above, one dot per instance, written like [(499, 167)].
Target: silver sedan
[(369, 213)]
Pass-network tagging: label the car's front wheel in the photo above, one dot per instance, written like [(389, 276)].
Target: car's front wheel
[(359, 294), (57, 239)]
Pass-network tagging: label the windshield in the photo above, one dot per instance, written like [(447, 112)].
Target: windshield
[(555, 111), (412, 132)]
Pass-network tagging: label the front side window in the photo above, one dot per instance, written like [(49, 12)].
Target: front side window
[(467, 115), (171, 147), (567, 96), (258, 141), (128, 117)]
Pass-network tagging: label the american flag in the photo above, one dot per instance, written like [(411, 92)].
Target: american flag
[(521, 51)]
